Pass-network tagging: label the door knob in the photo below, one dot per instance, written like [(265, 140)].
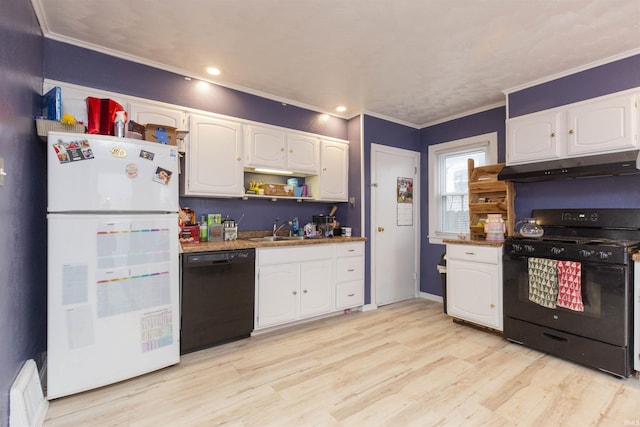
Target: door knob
[(380, 229)]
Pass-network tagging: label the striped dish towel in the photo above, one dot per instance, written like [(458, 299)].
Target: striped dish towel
[(543, 281)]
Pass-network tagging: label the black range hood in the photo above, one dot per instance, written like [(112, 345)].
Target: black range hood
[(624, 163)]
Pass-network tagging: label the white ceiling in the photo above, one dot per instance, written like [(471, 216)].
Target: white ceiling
[(412, 61)]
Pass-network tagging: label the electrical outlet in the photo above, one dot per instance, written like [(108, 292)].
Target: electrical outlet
[(352, 202)]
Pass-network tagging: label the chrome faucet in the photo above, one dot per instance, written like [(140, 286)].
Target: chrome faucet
[(277, 227)]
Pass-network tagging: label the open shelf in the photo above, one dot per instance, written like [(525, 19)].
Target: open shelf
[(487, 195)]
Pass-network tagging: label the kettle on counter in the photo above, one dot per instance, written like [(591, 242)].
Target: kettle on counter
[(530, 228)]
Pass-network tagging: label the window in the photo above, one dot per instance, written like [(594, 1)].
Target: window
[(448, 198)]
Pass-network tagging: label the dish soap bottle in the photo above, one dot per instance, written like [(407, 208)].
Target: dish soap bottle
[(204, 229), (294, 226)]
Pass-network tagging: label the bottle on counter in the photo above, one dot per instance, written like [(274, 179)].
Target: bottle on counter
[(118, 123), (204, 229)]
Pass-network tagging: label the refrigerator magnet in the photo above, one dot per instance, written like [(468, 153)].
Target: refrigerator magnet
[(132, 170), (147, 154), (162, 176)]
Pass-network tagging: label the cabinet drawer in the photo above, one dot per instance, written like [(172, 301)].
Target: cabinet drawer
[(348, 269), (486, 254), (269, 256), (350, 249), (350, 295)]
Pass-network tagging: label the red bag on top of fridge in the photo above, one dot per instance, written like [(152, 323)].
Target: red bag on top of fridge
[(100, 115)]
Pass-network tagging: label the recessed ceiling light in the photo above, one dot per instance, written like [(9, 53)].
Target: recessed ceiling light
[(323, 117), (213, 71), (341, 109)]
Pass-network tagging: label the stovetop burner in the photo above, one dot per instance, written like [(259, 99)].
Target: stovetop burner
[(577, 240)]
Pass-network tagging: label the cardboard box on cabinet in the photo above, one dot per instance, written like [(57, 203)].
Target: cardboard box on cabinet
[(160, 134)]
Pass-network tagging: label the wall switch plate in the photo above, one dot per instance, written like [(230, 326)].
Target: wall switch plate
[(2, 172)]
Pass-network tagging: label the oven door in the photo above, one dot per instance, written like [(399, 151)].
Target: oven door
[(605, 294)]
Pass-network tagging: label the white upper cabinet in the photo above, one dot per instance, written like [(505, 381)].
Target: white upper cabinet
[(601, 125), (213, 161), (332, 183), (265, 147), (272, 148), (302, 153), (534, 137), (146, 113)]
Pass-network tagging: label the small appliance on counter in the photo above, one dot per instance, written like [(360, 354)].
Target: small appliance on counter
[(230, 229), (324, 223)]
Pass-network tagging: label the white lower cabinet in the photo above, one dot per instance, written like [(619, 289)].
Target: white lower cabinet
[(316, 288), (298, 282), (293, 283), (474, 284), (349, 275)]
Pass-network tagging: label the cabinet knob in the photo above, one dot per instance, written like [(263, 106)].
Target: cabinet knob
[(351, 295), (295, 292), (281, 148), (324, 169), (291, 150), (381, 229), (493, 306), (238, 158), (305, 291), (553, 134), (350, 270), (571, 132)]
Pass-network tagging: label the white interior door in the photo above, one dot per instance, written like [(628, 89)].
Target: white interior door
[(395, 216)]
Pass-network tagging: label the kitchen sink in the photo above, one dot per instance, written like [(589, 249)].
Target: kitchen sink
[(275, 238)]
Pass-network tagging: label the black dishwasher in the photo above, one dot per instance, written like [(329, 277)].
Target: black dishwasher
[(218, 296)]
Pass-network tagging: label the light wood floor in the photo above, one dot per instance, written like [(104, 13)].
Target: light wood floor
[(406, 364)]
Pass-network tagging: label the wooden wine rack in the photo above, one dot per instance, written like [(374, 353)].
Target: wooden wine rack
[(487, 195)]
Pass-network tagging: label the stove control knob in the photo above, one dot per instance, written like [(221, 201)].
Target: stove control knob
[(529, 249), (516, 247), (586, 253), (556, 250), (604, 255)]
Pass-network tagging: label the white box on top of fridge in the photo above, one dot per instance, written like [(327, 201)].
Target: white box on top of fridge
[(113, 269)]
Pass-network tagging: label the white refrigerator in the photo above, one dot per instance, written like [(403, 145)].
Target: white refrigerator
[(113, 269)]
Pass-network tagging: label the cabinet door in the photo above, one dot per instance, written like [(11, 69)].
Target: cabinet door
[(332, 182), (474, 292), (213, 162), (144, 113), (277, 298), (535, 137), (602, 126), (302, 153), (265, 147), (317, 288)]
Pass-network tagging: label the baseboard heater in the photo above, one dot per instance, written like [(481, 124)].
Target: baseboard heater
[(27, 405)]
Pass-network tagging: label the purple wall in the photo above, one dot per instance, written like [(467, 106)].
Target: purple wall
[(606, 192), (353, 217), (598, 81), (67, 63), (476, 124), (379, 131), (22, 198), (612, 192)]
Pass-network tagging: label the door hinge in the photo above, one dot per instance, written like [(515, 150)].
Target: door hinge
[(415, 170)]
